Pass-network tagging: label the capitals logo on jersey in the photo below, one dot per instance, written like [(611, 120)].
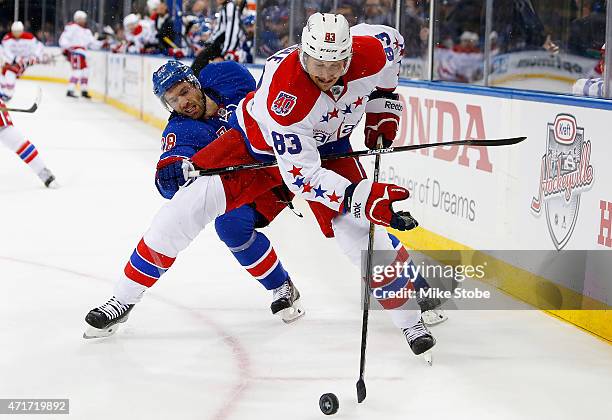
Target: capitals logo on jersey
[(283, 103)]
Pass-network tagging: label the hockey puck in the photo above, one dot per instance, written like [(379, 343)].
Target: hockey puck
[(328, 403)]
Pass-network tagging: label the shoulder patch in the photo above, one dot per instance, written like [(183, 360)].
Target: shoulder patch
[(283, 103)]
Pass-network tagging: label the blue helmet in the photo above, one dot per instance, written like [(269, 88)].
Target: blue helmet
[(169, 75)]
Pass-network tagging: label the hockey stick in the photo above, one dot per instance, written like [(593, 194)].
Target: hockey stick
[(361, 386), (30, 110), (358, 153)]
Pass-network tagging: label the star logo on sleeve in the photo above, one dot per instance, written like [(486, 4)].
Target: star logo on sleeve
[(295, 171), (307, 187), (299, 182), (333, 114), (334, 198), (325, 118), (347, 109), (319, 192), (358, 102), (397, 44)]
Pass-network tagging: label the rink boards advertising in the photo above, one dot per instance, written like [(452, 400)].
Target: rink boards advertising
[(547, 193)]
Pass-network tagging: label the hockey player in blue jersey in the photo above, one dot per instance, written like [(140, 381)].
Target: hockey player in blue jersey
[(199, 117)]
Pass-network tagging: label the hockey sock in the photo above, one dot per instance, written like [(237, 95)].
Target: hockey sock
[(251, 248), (27, 152), (258, 257), (142, 271), (75, 75), (84, 78)]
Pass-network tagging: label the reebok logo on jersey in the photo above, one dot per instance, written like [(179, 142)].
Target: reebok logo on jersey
[(394, 105), (357, 210), (283, 104)]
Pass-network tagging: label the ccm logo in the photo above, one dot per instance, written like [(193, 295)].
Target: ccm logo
[(394, 105)]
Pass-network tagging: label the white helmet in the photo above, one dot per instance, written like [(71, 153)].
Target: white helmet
[(17, 28), (130, 21), (327, 37), (80, 16), (152, 5)]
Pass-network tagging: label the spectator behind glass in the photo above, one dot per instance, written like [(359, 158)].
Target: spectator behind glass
[(377, 13), (164, 27), (414, 28), (520, 27), (588, 33), (201, 8), (314, 6), (275, 34)]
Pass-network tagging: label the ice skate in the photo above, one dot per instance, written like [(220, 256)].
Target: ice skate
[(85, 94), (47, 177), (429, 312), (286, 302), (104, 320), (420, 340), (71, 94)]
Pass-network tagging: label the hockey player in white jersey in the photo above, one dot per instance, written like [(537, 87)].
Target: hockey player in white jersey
[(309, 100), (139, 34), (25, 150), (20, 49), (592, 86), (75, 41)]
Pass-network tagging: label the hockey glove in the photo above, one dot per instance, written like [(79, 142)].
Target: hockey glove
[(383, 113), (374, 200), (172, 174)]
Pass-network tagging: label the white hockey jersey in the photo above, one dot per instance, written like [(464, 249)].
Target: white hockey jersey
[(23, 48), (289, 118), (143, 34), (589, 87), (77, 37)]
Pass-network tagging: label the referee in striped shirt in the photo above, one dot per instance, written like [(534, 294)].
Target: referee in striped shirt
[(228, 31)]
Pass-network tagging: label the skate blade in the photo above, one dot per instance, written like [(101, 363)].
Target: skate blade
[(293, 313), (54, 185), (428, 356), (434, 317), (93, 332)]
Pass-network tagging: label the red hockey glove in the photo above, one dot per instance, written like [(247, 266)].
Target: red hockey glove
[(374, 200), (383, 113), (176, 53)]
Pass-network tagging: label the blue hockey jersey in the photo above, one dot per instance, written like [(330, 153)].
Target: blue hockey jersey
[(226, 83)]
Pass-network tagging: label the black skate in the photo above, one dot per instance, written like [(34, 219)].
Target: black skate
[(47, 177), (286, 301), (85, 94), (71, 94), (420, 340), (429, 312), (104, 319)]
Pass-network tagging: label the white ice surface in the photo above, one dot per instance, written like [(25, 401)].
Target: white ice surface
[(202, 344)]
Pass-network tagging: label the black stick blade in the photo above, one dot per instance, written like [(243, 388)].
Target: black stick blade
[(361, 390), (498, 142)]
